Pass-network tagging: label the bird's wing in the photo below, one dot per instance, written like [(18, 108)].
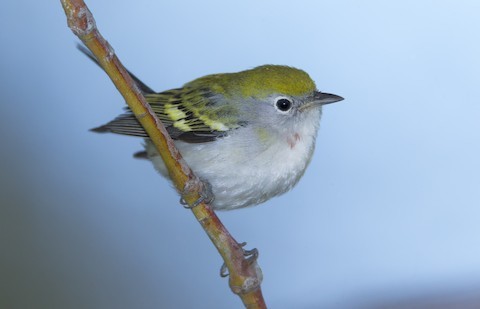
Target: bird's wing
[(188, 115)]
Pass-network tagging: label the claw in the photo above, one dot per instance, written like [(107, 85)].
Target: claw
[(194, 204), (224, 271), (206, 195), (251, 255)]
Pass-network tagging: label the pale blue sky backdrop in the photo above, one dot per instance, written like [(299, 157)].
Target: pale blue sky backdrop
[(389, 207)]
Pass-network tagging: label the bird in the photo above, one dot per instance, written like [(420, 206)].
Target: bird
[(250, 134)]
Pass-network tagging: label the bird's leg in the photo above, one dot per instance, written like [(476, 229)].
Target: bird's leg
[(250, 255), (206, 194)]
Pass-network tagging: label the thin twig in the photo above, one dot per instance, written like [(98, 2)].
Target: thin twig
[(245, 275)]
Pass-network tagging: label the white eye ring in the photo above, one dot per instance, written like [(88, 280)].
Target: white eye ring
[(283, 104)]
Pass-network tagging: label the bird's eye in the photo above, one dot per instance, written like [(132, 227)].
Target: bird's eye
[(283, 104)]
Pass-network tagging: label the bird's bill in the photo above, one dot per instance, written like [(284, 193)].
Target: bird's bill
[(326, 98)]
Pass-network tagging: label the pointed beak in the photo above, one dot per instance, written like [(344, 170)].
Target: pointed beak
[(326, 98)]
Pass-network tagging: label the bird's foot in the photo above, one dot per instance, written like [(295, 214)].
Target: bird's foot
[(206, 194), (250, 256)]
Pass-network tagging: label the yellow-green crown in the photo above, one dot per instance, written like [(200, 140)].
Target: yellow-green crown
[(259, 82)]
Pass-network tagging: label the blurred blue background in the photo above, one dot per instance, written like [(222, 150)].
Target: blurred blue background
[(388, 209)]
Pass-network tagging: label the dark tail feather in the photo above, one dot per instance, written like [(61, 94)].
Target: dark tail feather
[(125, 124), (140, 155), (144, 88), (101, 129)]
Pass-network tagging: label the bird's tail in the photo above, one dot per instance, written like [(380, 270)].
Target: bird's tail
[(126, 123), (143, 87)]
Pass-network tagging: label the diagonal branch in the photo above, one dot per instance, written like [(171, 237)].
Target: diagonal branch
[(245, 274)]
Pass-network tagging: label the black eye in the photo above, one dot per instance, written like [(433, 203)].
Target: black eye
[(283, 104)]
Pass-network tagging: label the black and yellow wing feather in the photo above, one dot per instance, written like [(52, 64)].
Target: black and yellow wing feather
[(181, 120), (187, 113)]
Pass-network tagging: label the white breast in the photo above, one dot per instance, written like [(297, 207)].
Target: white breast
[(244, 171)]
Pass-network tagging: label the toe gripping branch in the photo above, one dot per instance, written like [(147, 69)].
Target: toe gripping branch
[(206, 193), (245, 276), (251, 257)]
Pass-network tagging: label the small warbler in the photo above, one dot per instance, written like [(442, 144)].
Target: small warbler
[(250, 134)]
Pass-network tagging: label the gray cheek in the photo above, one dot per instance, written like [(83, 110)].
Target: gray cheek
[(262, 113)]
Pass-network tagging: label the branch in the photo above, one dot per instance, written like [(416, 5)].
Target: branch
[(245, 274)]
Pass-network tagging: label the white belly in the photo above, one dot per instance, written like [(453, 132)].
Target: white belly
[(244, 171)]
